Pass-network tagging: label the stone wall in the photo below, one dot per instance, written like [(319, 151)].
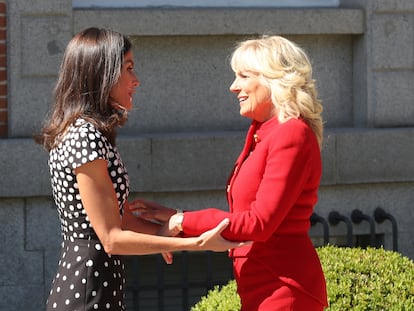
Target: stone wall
[(181, 141)]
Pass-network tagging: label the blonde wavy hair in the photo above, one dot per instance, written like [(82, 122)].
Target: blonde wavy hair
[(286, 70)]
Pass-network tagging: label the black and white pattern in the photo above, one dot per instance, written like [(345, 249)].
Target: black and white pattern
[(87, 277)]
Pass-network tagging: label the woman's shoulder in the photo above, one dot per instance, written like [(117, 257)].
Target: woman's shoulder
[(83, 132), (82, 125), (298, 124), (82, 128), (293, 131), (84, 142), (293, 126)]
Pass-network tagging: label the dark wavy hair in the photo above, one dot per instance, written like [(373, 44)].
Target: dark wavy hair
[(91, 66)]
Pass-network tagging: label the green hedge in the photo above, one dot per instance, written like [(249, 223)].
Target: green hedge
[(357, 279)]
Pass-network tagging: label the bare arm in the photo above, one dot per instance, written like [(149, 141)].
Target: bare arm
[(99, 200), (130, 222)]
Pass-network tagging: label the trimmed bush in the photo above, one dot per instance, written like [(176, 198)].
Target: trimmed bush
[(357, 279), (219, 299)]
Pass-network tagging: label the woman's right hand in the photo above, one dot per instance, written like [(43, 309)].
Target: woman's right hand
[(212, 239)]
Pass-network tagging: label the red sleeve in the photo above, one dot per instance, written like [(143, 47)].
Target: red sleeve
[(198, 222)]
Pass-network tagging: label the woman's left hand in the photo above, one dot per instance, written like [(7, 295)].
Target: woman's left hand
[(137, 224), (150, 210), (169, 228)]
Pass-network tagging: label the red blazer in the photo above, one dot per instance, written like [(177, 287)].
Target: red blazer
[(271, 194)]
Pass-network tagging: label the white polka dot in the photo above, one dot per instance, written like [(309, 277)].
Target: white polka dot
[(95, 306), (77, 295), (67, 301), (98, 247), (96, 274), (105, 284), (93, 293), (108, 306)]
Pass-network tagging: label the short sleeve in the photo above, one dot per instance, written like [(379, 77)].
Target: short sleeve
[(84, 143)]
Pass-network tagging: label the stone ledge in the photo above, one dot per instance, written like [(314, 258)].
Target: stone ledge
[(202, 161), (222, 21)]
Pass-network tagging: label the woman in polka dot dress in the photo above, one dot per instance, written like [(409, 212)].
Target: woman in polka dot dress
[(89, 181)]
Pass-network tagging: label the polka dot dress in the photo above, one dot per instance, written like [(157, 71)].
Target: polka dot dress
[(87, 277)]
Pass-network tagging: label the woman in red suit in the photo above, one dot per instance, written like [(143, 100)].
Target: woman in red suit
[(273, 187)]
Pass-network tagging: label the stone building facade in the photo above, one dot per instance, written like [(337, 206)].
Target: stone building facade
[(181, 140)]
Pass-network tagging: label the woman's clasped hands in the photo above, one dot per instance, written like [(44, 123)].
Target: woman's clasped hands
[(169, 219)]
